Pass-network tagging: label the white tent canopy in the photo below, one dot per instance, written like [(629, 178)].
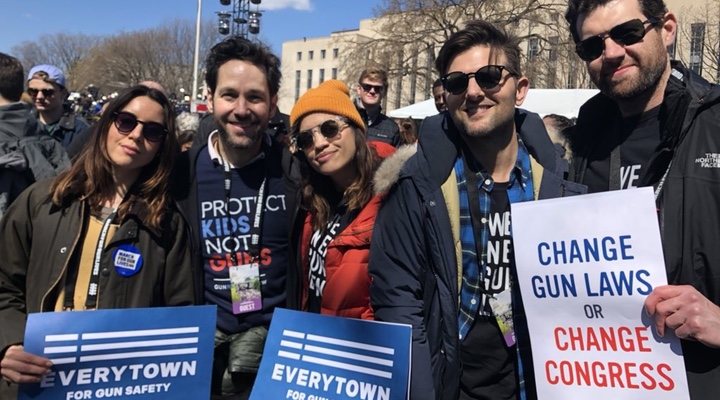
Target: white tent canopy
[(564, 102)]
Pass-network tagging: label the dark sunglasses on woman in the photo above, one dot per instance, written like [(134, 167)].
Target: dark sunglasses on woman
[(125, 122), (329, 129), (487, 77), (625, 34)]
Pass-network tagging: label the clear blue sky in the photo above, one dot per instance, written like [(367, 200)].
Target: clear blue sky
[(282, 20)]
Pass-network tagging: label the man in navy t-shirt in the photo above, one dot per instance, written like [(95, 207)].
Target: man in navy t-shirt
[(239, 199)]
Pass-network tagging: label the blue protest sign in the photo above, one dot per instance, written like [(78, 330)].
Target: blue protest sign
[(143, 353), (315, 357)]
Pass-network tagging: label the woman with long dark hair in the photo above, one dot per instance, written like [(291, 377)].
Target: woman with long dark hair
[(339, 205), (103, 234)]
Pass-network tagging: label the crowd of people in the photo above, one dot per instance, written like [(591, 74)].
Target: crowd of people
[(339, 210)]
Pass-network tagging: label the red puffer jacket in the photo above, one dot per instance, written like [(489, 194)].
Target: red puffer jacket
[(347, 282), (347, 287)]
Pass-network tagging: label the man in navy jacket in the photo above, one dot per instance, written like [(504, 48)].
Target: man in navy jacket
[(428, 267)]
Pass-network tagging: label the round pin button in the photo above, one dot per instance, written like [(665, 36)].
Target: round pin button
[(127, 260)]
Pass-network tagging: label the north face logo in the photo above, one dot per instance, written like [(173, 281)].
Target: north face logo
[(710, 160)]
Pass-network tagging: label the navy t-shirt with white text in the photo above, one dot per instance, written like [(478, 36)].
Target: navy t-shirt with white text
[(224, 230)]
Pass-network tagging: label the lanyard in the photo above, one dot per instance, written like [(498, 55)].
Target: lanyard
[(254, 249), (91, 299), (475, 213)]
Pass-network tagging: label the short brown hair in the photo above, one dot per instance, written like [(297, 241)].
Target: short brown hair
[(375, 74), (240, 48), (649, 8), (11, 77), (479, 33)]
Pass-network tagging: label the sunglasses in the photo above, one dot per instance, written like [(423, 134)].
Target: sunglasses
[(625, 34), (368, 87), (46, 92), (126, 122), (487, 77), (329, 129)]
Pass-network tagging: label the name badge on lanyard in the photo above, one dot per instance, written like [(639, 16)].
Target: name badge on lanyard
[(501, 305), (245, 288)]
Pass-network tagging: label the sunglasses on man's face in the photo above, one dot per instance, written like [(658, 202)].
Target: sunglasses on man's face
[(46, 92), (625, 34), (368, 87), (305, 140), (126, 122), (487, 77)]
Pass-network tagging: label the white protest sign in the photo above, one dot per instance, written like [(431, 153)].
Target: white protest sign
[(585, 265)]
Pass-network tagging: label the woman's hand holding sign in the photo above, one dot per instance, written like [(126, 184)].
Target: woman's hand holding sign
[(17, 366), (685, 310)]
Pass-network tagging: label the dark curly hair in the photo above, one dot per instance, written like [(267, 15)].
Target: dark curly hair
[(239, 48)]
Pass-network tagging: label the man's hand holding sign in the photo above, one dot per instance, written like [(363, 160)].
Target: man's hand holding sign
[(683, 309)]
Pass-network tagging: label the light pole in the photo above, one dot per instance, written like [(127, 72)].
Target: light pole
[(196, 58)]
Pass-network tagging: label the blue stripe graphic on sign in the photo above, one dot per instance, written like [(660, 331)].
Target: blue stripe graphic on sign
[(343, 354), (63, 348)]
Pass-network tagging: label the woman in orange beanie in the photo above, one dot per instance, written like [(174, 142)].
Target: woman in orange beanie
[(339, 207)]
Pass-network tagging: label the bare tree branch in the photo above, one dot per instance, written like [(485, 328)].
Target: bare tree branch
[(164, 54), (408, 34)]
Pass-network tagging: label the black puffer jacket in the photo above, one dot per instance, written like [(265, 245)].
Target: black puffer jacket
[(689, 202)]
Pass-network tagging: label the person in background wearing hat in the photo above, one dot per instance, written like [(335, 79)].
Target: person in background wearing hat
[(334, 225), (46, 87), (237, 191)]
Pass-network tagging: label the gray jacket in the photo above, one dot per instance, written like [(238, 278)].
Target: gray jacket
[(25, 156)]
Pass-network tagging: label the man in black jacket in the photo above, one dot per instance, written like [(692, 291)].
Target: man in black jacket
[(654, 124)]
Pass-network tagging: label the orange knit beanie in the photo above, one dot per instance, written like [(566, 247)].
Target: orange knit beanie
[(332, 97)]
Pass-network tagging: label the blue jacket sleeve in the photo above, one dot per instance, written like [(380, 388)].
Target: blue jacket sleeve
[(398, 267)]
